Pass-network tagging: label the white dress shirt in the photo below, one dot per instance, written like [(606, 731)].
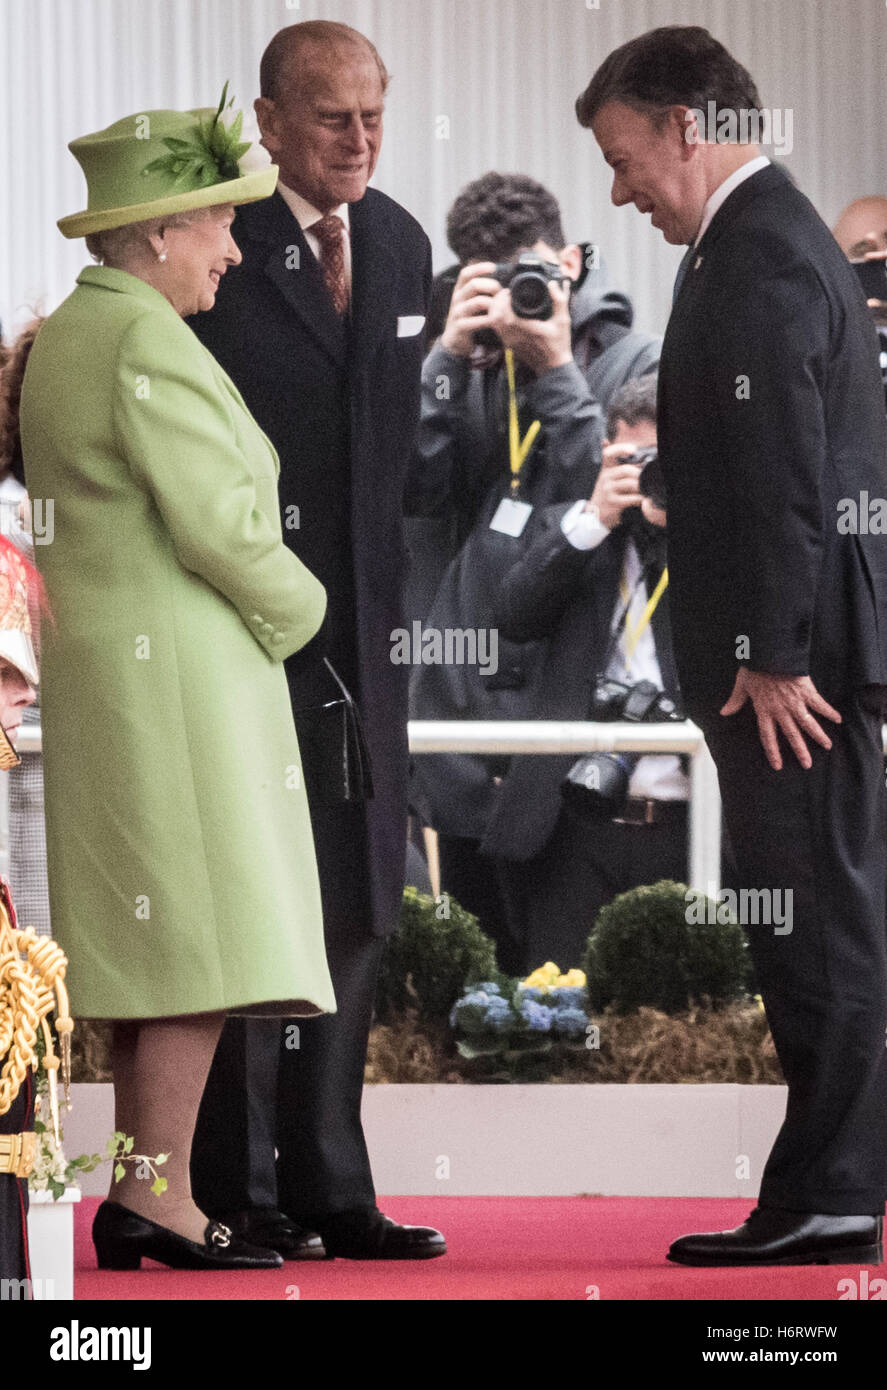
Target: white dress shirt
[(658, 776), (306, 215), (723, 191)]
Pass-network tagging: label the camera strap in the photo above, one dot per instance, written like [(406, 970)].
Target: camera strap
[(634, 633), (518, 448)]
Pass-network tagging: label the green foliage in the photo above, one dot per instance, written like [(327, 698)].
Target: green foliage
[(643, 952), (211, 155), (437, 950)]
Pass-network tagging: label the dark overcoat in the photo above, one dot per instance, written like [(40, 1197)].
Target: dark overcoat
[(340, 401)]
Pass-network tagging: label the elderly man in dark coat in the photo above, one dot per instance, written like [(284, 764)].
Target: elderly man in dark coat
[(321, 329)]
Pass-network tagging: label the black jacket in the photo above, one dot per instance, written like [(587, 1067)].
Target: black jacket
[(460, 474), (770, 412), (340, 404), (569, 595)]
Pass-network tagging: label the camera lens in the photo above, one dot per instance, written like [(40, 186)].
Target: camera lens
[(529, 296)]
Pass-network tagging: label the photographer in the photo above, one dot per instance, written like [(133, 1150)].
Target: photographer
[(513, 402), (568, 836)]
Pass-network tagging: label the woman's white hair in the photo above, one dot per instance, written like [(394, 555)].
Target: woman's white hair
[(119, 244)]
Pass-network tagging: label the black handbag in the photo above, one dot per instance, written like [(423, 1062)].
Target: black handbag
[(333, 747)]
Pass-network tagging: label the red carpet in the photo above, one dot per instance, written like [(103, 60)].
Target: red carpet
[(526, 1248)]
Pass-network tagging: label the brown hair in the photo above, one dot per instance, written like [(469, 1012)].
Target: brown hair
[(11, 379), (676, 65)]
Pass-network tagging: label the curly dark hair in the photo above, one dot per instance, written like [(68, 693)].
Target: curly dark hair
[(676, 65), (633, 402), (499, 214)]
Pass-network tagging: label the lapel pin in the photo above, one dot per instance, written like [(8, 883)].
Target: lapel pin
[(697, 263)]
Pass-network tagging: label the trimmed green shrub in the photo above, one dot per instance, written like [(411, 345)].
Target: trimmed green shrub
[(643, 952), (437, 949)]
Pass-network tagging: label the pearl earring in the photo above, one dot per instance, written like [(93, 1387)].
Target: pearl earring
[(162, 256)]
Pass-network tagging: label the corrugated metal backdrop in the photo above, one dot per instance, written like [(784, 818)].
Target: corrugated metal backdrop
[(504, 72)]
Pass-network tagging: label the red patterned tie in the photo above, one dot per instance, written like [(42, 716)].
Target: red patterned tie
[(332, 258)]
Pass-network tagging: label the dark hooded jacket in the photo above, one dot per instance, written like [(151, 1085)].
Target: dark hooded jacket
[(459, 476)]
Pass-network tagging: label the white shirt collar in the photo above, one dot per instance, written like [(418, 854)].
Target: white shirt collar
[(723, 191), (305, 213)]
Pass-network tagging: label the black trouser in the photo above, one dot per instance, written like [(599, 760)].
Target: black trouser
[(554, 898), (473, 880), (822, 834), (264, 1092)]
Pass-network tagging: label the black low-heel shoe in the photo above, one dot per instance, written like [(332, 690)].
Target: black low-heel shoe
[(123, 1239)]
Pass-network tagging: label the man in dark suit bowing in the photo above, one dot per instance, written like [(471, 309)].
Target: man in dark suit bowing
[(320, 329), (771, 424)]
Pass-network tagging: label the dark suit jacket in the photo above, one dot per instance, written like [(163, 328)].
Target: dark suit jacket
[(569, 596), (340, 403), (770, 412)]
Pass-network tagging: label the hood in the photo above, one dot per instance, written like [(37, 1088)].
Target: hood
[(593, 302)]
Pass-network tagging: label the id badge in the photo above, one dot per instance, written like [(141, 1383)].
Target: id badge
[(511, 517)]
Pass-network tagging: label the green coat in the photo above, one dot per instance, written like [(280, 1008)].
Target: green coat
[(181, 864)]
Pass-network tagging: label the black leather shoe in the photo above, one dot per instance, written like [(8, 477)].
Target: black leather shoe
[(268, 1227), (776, 1237), (123, 1239), (368, 1235)]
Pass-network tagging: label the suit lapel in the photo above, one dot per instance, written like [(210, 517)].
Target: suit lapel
[(374, 272), (292, 268), (764, 181)]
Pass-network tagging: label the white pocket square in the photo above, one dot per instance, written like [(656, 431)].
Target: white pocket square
[(410, 325)]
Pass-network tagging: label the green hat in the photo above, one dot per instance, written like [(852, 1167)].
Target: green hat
[(159, 162)]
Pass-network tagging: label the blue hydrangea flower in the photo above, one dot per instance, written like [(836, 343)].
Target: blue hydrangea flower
[(479, 1012), (470, 1008), (567, 997), (571, 1022), (498, 1016), (488, 987), (531, 993), (538, 1016)]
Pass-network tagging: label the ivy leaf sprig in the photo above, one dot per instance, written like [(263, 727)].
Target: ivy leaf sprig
[(210, 156)]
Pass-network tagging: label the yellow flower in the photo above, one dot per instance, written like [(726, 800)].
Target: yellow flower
[(543, 978), (574, 979)]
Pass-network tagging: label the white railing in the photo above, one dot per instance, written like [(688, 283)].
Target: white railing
[(544, 736), (540, 736)]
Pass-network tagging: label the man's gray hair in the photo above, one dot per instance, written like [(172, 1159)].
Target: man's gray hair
[(289, 45)]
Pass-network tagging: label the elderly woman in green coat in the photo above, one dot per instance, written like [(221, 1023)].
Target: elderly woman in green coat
[(183, 884)]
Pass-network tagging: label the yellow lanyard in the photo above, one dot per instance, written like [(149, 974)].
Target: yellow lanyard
[(633, 634), (517, 448)]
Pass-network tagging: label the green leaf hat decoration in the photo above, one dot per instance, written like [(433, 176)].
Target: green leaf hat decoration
[(211, 156)]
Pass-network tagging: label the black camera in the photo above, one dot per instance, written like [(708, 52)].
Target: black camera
[(528, 279), (651, 482), (637, 704), (872, 276), (597, 785)]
